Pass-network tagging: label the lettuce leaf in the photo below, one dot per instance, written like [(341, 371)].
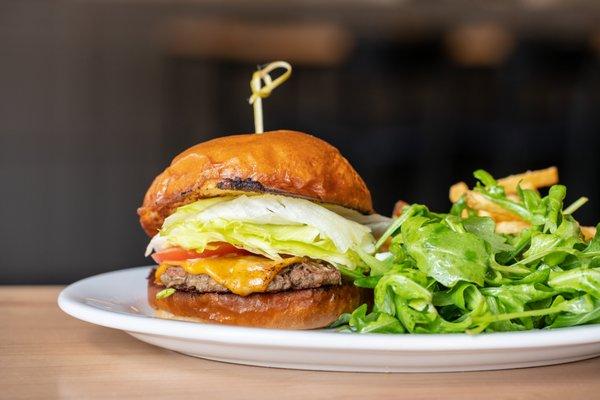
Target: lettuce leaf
[(269, 225)]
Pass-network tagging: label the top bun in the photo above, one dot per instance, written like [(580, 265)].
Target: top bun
[(282, 162)]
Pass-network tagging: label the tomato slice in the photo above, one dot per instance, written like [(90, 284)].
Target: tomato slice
[(179, 254)]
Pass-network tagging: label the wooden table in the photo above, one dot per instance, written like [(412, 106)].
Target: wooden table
[(46, 354)]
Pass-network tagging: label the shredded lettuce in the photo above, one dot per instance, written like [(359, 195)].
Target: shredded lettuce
[(270, 225), (377, 223)]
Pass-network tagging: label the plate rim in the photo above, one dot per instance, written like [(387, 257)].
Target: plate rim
[(69, 303)]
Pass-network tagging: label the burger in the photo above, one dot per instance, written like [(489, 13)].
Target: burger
[(258, 230)]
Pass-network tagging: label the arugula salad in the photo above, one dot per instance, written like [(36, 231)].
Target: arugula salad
[(504, 258)]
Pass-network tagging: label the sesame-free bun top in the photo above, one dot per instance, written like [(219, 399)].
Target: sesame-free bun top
[(283, 162)]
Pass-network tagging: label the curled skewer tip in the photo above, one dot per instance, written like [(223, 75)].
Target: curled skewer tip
[(262, 85)]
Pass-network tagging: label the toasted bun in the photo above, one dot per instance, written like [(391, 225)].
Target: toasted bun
[(284, 162), (292, 309)]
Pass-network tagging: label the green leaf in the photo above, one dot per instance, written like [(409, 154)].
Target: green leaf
[(577, 280), (379, 323), (400, 285), (408, 212), (485, 228), (539, 276), (459, 207), (514, 298), (594, 245), (342, 319), (531, 199), (377, 267), (163, 294), (518, 209), (490, 185), (445, 255), (485, 177), (351, 273), (361, 322), (581, 311), (541, 245), (465, 296), (554, 200), (368, 282)]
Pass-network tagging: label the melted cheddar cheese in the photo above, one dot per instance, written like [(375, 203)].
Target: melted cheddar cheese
[(242, 275)]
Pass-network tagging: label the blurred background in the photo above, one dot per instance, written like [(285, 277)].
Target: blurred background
[(96, 97)]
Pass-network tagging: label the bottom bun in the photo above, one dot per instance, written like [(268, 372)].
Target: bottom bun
[(292, 309)]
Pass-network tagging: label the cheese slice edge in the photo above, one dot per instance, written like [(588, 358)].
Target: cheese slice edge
[(241, 275)]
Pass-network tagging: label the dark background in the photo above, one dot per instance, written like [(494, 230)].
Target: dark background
[(97, 97)]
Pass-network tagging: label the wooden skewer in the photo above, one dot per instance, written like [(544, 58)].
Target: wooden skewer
[(260, 92)]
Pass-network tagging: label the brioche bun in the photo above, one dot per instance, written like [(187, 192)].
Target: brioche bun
[(292, 309), (284, 162)]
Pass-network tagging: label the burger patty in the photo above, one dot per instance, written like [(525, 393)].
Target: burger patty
[(307, 274)]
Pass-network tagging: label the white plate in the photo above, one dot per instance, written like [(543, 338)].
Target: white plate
[(118, 300)]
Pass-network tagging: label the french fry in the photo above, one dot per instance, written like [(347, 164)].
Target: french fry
[(496, 217), (477, 201), (588, 232), (530, 180), (527, 180), (506, 222), (400, 204), (511, 227), (513, 197), (457, 190)]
